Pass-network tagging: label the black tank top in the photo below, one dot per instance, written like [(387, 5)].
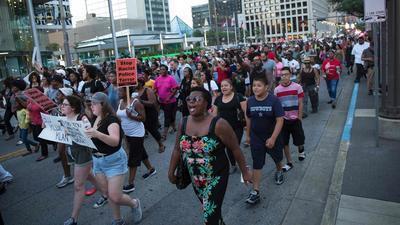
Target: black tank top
[(307, 78)]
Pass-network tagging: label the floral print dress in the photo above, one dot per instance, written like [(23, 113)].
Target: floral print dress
[(208, 167)]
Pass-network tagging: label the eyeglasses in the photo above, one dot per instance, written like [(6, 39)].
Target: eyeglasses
[(194, 99), (65, 105)]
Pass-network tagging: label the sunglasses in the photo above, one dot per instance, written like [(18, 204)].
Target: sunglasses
[(194, 98)]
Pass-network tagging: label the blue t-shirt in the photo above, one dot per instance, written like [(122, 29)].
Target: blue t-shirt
[(263, 116)]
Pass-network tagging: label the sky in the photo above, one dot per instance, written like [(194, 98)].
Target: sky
[(180, 8)]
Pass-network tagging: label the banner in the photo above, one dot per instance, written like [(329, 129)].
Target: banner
[(41, 99), (126, 72), (60, 129)]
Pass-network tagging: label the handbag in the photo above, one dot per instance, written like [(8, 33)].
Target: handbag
[(182, 175)]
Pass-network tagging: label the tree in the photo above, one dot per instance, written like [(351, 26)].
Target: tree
[(352, 7), (197, 33)]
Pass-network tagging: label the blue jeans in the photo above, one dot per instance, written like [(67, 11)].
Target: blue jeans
[(332, 88), (111, 165), (23, 134)]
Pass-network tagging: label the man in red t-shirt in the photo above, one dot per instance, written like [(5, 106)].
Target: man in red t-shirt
[(223, 71), (331, 67)]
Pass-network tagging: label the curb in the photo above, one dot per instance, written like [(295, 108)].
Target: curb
[(335, 189)]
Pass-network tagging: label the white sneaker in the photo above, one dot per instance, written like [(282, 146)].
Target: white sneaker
[(20, 142), (137, 212), (65, 181)]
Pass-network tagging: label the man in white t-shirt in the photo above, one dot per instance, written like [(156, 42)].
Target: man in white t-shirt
[(293, 64), (357, 52)]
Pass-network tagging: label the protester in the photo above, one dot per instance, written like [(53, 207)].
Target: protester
[(368, 58), (291, 97), (228, 106), (166, 88), (184, 90), (112, 90), (200, 140), (357, 53), (132, 115), (309, 80), (331, 67), (23, 123), (110, 160), (77, 155)]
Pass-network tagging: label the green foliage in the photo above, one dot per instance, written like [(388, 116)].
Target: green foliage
[(197, 33), (53, 47), (352, 7)]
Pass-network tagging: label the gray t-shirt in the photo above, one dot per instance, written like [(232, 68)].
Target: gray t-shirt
[(269, 66)]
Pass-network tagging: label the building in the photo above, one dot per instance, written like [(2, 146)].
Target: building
[(200, 14), (100, 49), (222, 11), (179, 26), (16, 42), (155, 12), (270, 20)]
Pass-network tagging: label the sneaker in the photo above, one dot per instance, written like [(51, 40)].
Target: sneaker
[(330, 102), (128, 188), (149, 174), (65, 181), (118, 222), (19, 142), (70, 221), (254, 197), (90, 191), (302, 156), (100, 202), (287, 167), (305, 115), (279, 177), (333, 105), (137, 212), (232, 169), (42, 157)]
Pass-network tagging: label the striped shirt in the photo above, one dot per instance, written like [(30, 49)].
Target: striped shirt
[(290, 96)]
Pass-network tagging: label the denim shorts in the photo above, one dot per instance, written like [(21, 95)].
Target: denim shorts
[(111, 165)]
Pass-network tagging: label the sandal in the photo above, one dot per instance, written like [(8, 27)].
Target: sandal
[(161, 149)]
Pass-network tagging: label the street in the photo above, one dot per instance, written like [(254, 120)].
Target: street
[(33, 199)]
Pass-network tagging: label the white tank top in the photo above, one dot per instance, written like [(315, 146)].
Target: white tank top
[(132, 128)]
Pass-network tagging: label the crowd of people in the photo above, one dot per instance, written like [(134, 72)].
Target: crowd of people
[(260, 92)]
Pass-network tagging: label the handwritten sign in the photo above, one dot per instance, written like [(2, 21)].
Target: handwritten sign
[(60, 129), (126, 72), (54, 130), (76, 130), (41, 99)]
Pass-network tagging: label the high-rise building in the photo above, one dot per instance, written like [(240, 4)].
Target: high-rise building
[(155, 12), (222, 11), (272, 19), (200, 14)]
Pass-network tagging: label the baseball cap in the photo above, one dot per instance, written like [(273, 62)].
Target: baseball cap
[(61, 72), (99, 97)]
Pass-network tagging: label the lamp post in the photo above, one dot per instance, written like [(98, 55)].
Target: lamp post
[(34, 32), (64, 29), (113, 29)]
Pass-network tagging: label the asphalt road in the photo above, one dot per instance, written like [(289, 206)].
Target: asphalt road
[(33, 199)]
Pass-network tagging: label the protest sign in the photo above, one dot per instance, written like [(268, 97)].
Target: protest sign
[(76, 131), (54, 130), (126, 72), (41, 99), (60, 129)]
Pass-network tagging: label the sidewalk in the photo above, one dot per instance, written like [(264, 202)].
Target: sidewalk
[(368, 193)]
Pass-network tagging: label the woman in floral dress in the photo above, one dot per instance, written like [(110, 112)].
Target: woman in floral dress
[(201, 140)]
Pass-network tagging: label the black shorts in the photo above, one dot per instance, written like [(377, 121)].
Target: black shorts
[(294, 128), (137, 152), (258, 154)]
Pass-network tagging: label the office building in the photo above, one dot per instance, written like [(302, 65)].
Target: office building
[(222, 11), (200, 14), (155, 12), (272, 19)]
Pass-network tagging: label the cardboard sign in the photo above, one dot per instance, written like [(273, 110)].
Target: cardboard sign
[(41, 99), (54, 130), (76, 131), (126, 72), (60, 129)]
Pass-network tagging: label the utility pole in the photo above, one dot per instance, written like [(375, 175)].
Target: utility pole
[(34, 31), (216, 21), (113, 29), (67, 52)]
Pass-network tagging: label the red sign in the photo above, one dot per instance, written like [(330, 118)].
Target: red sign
[(126, 72), (41, 99)]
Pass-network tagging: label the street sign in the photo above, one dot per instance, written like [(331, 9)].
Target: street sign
[(374, 11), (126, 72)]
